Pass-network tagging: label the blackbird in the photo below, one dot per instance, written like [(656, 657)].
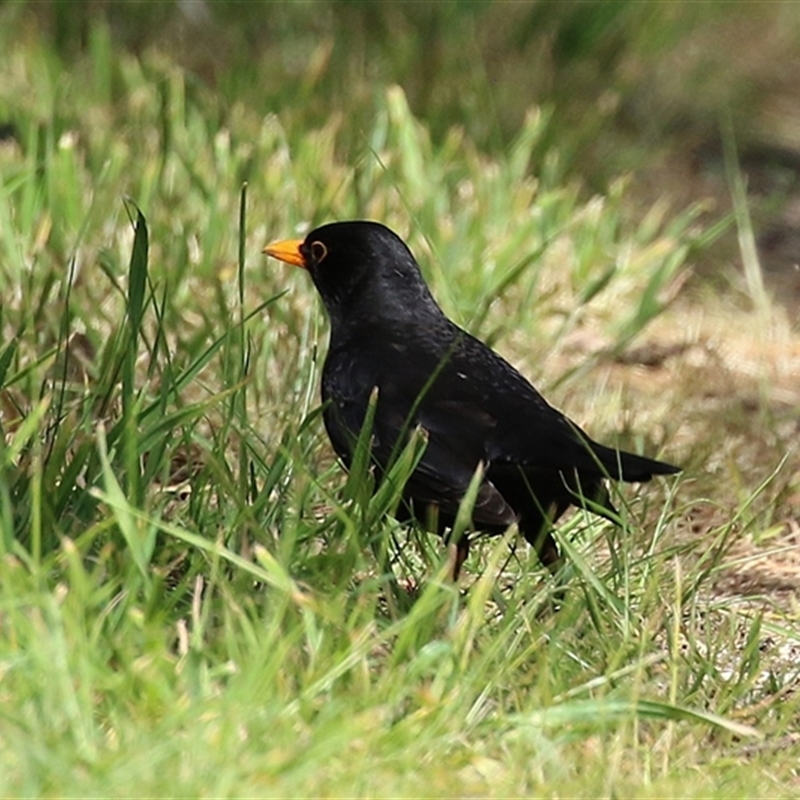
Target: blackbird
[(387, 331)]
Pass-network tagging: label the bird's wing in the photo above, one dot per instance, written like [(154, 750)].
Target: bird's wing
[(529, 432), (482, 408)]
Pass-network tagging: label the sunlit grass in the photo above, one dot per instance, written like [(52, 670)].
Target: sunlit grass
[(195, 600)]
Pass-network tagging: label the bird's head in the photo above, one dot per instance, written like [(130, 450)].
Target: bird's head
[(362, 270)]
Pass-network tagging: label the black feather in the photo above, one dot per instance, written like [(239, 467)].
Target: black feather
[(388, 331)]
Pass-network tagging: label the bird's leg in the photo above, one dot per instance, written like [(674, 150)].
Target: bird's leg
[(551, 558), (462, 551), (547, 550), (434, 523)]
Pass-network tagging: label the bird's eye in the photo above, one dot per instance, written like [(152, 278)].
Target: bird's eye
[(319, 252)]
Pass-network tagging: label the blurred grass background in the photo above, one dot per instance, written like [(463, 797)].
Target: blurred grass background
[(193, 599), (629, 87)]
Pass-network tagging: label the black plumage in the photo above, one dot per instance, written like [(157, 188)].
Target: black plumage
[(387, 331)]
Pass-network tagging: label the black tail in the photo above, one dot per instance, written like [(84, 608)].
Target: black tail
[(630, 467)]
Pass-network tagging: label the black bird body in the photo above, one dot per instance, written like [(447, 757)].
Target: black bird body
[(388, 332)]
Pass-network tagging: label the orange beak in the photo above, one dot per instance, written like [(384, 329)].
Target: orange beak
[(288, 251)]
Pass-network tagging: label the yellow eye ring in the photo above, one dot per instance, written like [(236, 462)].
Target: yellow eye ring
[(319, 252)]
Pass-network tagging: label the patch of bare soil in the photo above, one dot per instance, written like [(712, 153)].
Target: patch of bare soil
[(735, 390)]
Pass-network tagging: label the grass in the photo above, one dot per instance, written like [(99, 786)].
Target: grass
[(194, 600)]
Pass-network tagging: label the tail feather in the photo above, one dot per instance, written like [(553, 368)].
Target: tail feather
[(630, 467)]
